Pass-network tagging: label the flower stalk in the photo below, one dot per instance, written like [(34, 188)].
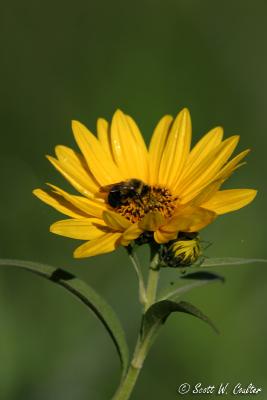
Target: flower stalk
[(137, 267), (143, 345), (153, 277)]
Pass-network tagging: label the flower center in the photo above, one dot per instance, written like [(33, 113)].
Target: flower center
[(153, 199)]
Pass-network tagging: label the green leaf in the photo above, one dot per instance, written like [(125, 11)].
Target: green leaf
[(158, 313), (220, 262), (201, 278), (88, 296)]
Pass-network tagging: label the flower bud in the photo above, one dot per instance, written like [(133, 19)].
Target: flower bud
[(183, 251)]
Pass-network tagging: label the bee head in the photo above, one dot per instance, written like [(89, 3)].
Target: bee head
[(139, 187)]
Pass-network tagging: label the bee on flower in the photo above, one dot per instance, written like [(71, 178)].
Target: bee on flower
[(127, 191)]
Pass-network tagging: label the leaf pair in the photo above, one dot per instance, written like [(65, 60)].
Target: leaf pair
[(158, 313), (154, 317)]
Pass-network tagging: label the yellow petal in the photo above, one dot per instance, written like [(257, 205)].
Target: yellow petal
[(161, 236), (132, 233), (91, 207), (189, 219), (230, 200), (200, 151), (84, 229), (207, 143), (151, 221), (104, 244), (59, 203), (102, 168), (208, 169), (205, 194), (142, 153), (156, 147), (74, 165), (176, 150), (76, 183), (104, 136), (116, 221), (226, 171), (128, 147)]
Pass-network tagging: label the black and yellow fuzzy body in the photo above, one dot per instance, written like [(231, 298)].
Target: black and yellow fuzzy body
[(122, 192)]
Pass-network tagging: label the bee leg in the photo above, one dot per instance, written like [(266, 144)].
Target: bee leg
[(139, 198)]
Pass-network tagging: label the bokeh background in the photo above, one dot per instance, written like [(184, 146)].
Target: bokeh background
[(81, 60)]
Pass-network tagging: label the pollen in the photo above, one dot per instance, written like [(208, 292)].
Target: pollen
[(155, 199)]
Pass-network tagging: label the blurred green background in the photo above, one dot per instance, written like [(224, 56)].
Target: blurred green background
[(81, 60)]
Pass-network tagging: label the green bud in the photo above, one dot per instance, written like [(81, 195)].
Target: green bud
[(183, 251)]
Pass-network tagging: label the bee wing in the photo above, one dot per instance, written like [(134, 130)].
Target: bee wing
[(108, 188), (105, 189)]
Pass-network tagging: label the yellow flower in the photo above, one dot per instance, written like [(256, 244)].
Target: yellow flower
[(179, 189)]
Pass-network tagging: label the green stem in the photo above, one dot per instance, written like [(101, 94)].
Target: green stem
[(125, 389), (134, 259), (153, 277), (142, 347)]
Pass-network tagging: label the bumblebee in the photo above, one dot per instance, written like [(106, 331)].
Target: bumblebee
[(122, 192)]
